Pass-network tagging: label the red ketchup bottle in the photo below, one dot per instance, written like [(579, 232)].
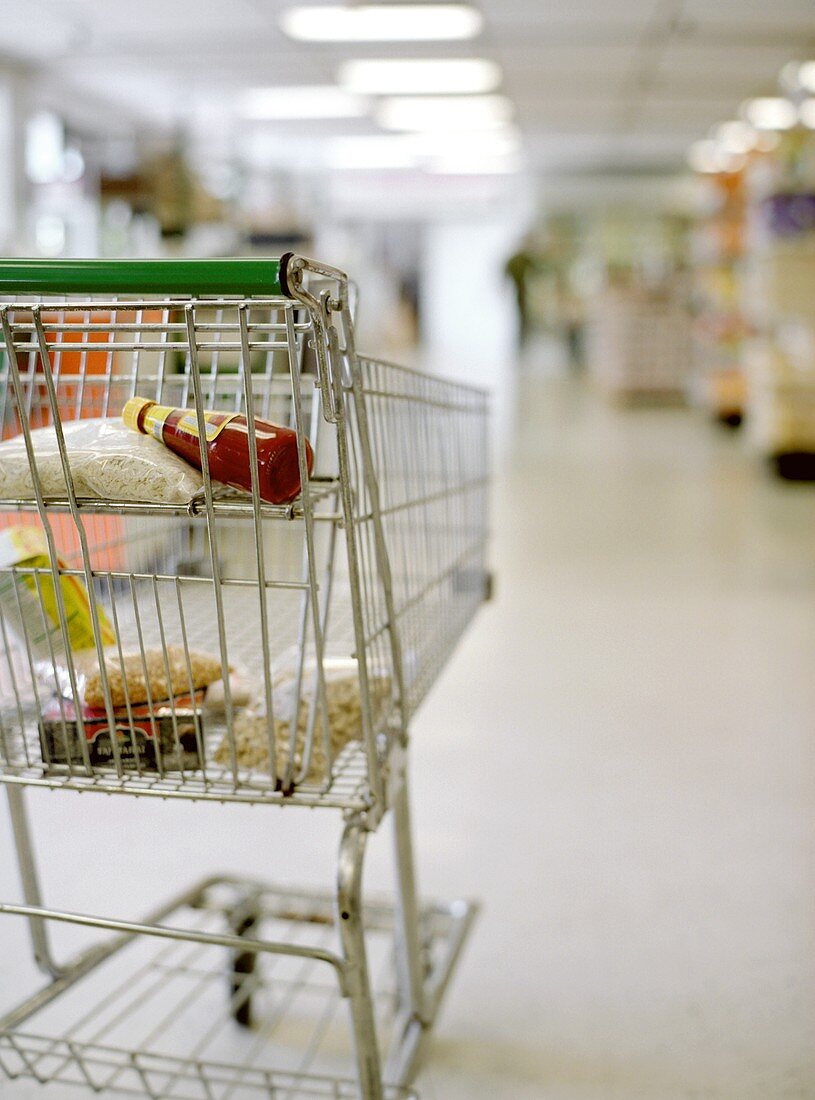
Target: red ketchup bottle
[(227, 446)]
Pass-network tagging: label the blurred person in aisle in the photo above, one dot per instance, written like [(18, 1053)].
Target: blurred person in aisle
[(573, 319), (519, 268)]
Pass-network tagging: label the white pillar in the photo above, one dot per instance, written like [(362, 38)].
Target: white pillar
[(469, 317), (13, 184)]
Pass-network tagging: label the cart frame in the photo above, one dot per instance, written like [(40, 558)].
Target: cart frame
[(391, 597)]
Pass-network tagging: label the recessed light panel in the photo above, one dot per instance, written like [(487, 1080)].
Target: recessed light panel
[(444, 112), (421, 76), (382, 23), (301, 102)]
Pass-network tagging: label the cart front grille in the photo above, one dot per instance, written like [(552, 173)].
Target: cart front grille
[(372, 574)]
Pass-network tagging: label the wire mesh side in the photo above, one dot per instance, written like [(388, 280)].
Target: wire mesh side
[(428, 453)]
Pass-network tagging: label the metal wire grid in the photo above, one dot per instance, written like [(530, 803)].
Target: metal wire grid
[(415, 452), (429, 451), (160, 1021)]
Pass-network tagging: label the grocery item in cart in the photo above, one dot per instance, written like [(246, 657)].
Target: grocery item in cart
[(162, 736), (140, 676), (107, 462), (29, 603), (241, 693), (342, 693), (228, 446)]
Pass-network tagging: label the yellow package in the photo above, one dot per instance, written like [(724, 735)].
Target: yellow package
[(29, 602)]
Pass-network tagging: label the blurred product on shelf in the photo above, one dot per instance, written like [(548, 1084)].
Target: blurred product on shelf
[(781, 187), (779, 295), (639, 340), (781, 374), (720, 327)]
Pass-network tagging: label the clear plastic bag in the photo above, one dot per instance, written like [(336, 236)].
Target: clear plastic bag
[(343, 702), (107, 462), (154, 674)]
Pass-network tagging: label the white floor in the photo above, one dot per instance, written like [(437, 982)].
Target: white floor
[(620, 762)]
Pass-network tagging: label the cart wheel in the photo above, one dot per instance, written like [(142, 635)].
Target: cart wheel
[(729, 420), (243, 964)]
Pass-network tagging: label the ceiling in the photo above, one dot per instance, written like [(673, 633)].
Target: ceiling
[(598, 84)]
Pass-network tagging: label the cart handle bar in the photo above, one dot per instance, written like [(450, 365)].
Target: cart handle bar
[(233, 277)]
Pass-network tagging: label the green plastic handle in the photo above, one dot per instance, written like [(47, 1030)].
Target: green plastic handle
[(239, 277)]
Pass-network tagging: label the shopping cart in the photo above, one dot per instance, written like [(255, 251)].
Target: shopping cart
[(366, 580)]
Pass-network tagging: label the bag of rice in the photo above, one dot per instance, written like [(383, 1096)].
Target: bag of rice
[(250, 729), (107, 462), (140, 678)]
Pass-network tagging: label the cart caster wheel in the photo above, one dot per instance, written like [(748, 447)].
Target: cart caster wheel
[(730, 420), (243, 965)]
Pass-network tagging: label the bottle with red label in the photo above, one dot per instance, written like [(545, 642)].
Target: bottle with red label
[(227, 444)]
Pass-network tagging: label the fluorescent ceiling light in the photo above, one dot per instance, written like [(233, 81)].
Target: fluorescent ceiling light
[(736, 137), (806, 113), (770, 113), (381, 151), (476, 166), (301, 102), (766, 141), (467, 143), (444, 112), (804, 75), (428, 76), (790, 76), (708, 156), (382, 23), (371, 152)]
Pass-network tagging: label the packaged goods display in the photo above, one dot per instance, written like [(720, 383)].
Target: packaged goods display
[(721, 327), (227, 445), (779, 293), (781, 374), (639, 341), (106, 461)]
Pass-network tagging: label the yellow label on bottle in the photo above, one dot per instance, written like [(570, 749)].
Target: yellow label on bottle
[(214, 422)]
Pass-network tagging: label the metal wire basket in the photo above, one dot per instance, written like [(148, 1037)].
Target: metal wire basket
[(379, 561)]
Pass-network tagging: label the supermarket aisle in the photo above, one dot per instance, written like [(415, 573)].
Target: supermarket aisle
[(620, 762), (639, 793)]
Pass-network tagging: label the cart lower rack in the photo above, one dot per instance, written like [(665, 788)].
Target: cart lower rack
[(166, 635), (162, 1017)]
